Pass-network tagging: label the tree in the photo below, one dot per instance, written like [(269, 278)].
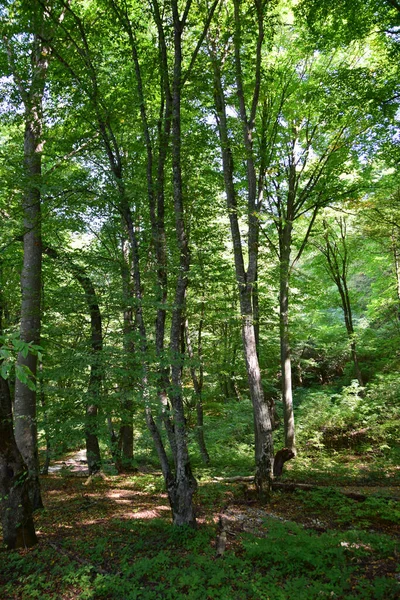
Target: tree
[(30, 78), (246, 277), (89, 76), (96, 363), (16, 508), (307, 149), (337, 264)]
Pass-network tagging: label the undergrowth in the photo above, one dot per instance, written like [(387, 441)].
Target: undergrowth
[(95, 545), (151, 560)]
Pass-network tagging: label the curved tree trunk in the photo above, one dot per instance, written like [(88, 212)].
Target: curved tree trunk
[(96, 363), (337, 264)]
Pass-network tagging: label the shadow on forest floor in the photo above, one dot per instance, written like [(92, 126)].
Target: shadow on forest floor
[(112, 539)]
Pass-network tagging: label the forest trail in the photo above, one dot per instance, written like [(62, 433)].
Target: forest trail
[(75, 463)]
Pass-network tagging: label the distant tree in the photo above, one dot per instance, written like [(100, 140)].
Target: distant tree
[(335, 250)]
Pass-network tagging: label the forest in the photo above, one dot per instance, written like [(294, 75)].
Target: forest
[(199, 299)]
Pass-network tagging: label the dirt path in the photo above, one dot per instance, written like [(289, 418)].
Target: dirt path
[(74, 463)]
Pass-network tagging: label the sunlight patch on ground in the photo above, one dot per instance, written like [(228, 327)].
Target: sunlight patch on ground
[(147, 513)]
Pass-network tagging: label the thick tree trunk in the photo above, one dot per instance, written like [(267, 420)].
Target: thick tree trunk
[(286, 364), (25, 398), (16, 508), (181, 490), (93, 455)]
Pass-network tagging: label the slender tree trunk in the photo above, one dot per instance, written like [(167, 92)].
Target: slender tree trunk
[(337, 263), (245, 280), (198, 388), (45, 467), (286, 363), (15, 504), (348, 319), (96, 373), (124, 458), (256, 315), (96, 363), (396, 261)]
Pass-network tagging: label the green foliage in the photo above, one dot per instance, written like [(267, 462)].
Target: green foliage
[(229, 436), (10, 346), (150, 560), (349, 512), (375, 409)]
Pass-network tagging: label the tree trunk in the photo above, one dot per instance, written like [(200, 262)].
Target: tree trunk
[(396, 260), (96, 363), (96, 372), (16, 508), (25, 398), (45, 467), (198, 388), (124, 458), (245, 281), (337, 266), (181, 490), (286, 366), (264, 450)]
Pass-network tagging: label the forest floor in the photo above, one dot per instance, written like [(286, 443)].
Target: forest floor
[(111, 538)]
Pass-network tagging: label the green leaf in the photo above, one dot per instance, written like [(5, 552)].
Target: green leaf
[(5, 369)]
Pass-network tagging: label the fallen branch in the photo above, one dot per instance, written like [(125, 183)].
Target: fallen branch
[(292, 487)]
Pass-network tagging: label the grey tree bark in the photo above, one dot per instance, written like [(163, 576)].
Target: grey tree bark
[(180, 484), (32, 97), (246, 278), (286, 363)]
